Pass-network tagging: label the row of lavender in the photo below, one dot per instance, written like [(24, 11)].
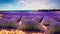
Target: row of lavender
[(27, 17)]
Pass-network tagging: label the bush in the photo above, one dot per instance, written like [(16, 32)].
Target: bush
[(54, 30), (51, 30), (9, 25), (30, 27), (47, 23)]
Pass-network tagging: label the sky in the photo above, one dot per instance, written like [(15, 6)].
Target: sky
[(29, 4)]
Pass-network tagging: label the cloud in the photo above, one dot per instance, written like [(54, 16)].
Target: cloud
[(29, 5), (36, 4)]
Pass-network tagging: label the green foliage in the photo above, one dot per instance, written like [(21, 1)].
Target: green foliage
[(54, 30), (9, 25), (58, 29), (47, 23), (30, 27), (51, 30)]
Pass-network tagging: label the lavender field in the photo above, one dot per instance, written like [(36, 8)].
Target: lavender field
[(28, 22)]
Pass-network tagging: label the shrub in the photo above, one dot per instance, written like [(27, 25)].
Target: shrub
[(47, 23), (30, 27), (51, 30), (9, 25), (54, 30)]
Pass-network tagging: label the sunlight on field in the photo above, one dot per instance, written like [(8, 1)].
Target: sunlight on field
[(11, 32), (16, 32)]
